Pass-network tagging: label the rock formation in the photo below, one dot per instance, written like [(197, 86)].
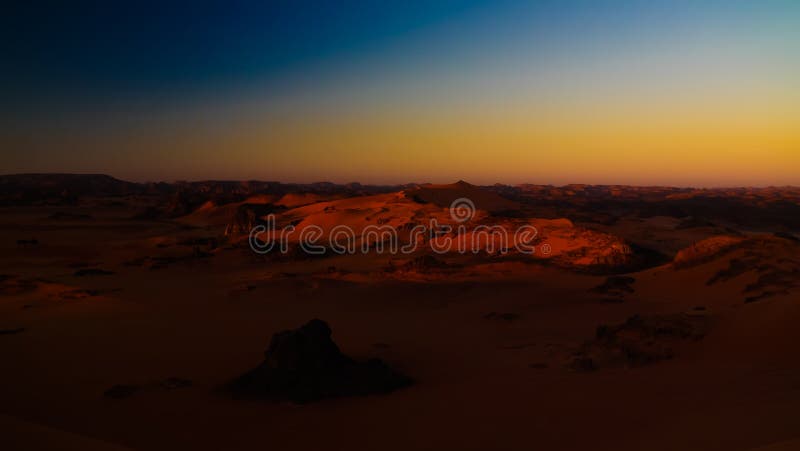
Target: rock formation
[(305, 365)]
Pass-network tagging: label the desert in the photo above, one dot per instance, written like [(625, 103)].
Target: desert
[(642, 328), (400, 225)]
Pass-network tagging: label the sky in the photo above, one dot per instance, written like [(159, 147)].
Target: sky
[(686, 93)]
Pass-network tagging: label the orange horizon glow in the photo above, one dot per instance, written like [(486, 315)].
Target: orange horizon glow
[(681, 97)]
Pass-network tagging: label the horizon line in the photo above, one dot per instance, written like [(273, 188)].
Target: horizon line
[(243, 180)]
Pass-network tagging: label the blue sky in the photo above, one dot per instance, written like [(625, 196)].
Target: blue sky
[(241, 88)]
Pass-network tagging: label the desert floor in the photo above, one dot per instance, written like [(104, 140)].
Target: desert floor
[(483, 382)]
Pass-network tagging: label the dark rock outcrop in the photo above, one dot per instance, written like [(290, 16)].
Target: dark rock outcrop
[(248, 216), (92, 272), (12, 331), (615, 288), (641, 340), (305, 365), (121, 391), (501, 316), (423, 263)]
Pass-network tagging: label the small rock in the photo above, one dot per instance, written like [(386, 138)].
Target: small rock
[(121, 391), (172, 383), (615, 286), (501, 316), (13, 331), (92, 272)]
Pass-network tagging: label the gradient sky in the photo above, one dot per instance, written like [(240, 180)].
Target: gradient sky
[(631, 92)]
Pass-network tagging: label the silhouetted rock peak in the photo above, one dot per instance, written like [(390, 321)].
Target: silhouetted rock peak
[(309, 347), (305, 365)]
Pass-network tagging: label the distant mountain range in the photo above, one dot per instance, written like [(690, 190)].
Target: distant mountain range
[(777, 208), (65, 189)]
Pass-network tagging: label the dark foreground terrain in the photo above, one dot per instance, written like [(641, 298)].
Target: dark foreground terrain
[(661, 319)]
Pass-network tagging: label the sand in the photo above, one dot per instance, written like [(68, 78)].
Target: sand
[(488, 345)]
